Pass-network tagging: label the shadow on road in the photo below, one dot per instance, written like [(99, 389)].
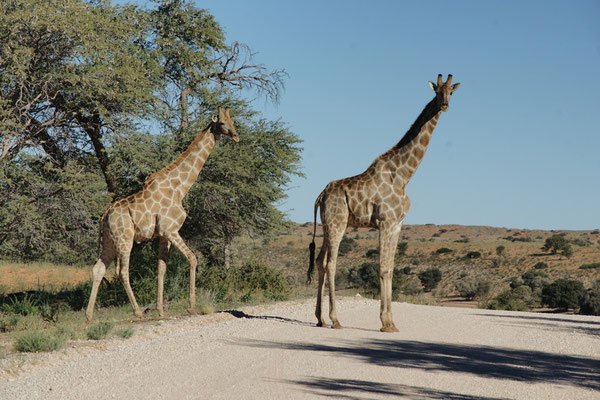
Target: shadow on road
[(241, 314), (482, 361), (353, 389), (550, 323)]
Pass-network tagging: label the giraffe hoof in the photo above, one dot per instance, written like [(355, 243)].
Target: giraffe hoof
[(192, 311), (336, 325), (389, 328), (322, 325)]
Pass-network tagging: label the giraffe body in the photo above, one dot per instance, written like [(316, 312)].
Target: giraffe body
[(156, 211), (376, 198)]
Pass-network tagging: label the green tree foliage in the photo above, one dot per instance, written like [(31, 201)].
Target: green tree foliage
[(562, 293), (558, 243), (81, 85), (366, 278), (430, 278)]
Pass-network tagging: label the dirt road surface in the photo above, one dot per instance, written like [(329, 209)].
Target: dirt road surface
[(276, 352)]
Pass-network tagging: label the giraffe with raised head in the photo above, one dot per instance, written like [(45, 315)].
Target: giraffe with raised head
[(156, 211), (376, 198)]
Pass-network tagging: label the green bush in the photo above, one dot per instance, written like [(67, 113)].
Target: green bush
[(562, 293), (590, 266), (366, 278), (471, 288), (430, 278), (256, 278), (346, 245), (372, 253), (589, 303), (443, 250), (401, 248), (38, 341), (125, 333), (473, 254), (540, 265), (100, 330), (512, 300)]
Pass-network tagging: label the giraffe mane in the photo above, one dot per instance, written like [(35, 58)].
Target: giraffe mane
[(430, 110), (179, 159)]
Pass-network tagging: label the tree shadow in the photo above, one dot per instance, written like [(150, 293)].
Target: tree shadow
[(591, 328), (353, 389), (242, 314), (484, 361)]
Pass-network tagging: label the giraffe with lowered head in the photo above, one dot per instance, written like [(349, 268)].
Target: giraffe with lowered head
[(376, 198), (156, 211)]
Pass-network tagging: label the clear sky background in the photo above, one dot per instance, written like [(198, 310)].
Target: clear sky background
[(519, 146)]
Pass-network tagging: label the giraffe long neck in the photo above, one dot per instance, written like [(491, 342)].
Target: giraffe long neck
[(184, 171), (405, 157)]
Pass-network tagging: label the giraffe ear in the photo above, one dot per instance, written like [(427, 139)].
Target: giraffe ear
[(215, 118), (432, 85), (455, 86)]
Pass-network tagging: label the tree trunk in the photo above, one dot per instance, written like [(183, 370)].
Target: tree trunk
[(92, 127), (227, 253), (183, 103)]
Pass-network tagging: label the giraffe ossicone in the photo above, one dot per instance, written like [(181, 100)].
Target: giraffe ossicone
[(376, 198), (156, 211)]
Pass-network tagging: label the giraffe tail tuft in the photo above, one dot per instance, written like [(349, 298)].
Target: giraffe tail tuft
[(311, 263)]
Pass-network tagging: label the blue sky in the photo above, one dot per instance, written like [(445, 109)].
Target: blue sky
[(519, 146)]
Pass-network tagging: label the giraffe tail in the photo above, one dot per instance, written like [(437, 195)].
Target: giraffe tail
[(311, 247)]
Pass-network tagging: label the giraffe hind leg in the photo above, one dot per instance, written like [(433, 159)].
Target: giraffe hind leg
[(98, 272), (321, 288)]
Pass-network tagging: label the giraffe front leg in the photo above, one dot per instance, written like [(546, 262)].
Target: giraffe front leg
[(178, 242), (388, 240), (163, 252)]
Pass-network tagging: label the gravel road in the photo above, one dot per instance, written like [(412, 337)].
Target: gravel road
[(276, 352)]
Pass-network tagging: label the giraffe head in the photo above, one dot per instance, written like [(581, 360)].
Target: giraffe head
[(443, 91), (223, 125)]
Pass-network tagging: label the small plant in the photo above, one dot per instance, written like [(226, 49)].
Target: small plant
[(125, 333), (500, 250), (38, 341), (25, 306), (9, 322), (100, 330)]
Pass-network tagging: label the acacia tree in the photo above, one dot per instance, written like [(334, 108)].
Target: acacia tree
[(81, 85)]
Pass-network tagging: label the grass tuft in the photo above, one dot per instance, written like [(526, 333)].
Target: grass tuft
[(39, 341), (125, 333), (100, 330)]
